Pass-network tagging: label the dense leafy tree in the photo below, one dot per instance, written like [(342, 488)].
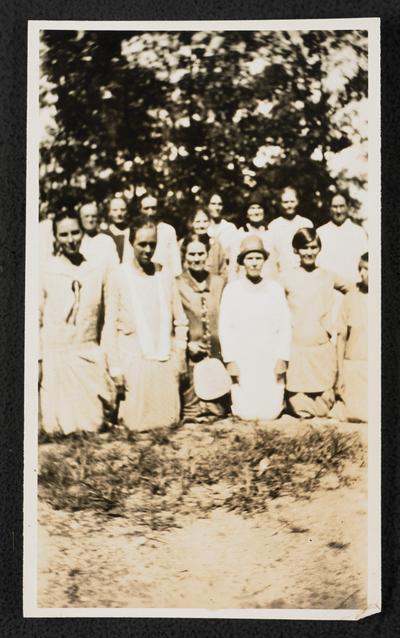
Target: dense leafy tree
[(187, 113)]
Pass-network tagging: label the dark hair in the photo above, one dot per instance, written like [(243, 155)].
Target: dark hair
[(140, 222), (66, 214), (211, 195), (304, 236), (254, 198), (192, 217), (194, 237), (364, 257)]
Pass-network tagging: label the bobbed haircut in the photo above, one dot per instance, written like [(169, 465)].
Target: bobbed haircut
[(304, 236), (141, 222), (66, 214), (189, 238)]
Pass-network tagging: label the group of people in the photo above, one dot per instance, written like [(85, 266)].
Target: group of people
[(129, 315)]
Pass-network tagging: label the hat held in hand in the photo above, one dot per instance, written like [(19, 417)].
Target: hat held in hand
[(251, 244), (211, 379)]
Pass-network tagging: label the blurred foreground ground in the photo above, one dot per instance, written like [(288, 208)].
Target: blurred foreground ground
[(302, 551)]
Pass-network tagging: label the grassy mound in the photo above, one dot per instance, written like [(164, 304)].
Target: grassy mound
[(162, 474)]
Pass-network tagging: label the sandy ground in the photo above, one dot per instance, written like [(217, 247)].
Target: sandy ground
[(297, 554)]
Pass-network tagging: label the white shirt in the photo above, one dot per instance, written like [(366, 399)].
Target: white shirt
[(225, 232), (100, 248), (167, 252), (342, 247), (282, 231)]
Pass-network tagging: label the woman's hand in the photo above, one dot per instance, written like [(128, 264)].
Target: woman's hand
[(196, 348), (119, 383), (280, 369), (233, 370)]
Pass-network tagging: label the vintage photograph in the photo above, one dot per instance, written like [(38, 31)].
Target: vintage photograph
[(202, 328)]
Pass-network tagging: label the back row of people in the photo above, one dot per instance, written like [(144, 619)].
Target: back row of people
[(111, 245), (274, 336)]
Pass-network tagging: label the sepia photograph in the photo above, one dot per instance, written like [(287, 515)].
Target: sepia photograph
[(202, 337)]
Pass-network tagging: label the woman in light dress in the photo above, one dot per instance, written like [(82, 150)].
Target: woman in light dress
[(255, 336), (74, 386), (312, 370), (145, 336)]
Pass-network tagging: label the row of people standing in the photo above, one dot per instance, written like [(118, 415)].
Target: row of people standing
[(142, 305)]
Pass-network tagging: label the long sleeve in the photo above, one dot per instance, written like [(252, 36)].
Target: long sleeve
[(179, 318), (285, 330), (109, 335), (175, 255), (227, 333)]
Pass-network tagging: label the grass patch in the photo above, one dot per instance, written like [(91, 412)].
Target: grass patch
[(157, 477)]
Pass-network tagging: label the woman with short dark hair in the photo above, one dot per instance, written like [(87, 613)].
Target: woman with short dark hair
[(310, 292)]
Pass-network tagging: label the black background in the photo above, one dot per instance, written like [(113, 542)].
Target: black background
[(13, 64)]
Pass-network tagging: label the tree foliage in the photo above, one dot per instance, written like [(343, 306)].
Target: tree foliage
[(184, 114)]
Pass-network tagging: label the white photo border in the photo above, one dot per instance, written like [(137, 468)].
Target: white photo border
[(30, 608)]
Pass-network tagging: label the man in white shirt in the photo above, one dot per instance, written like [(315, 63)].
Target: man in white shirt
[(343, 242), (283, 228), (167, 252), (219, 227), (96, 246)]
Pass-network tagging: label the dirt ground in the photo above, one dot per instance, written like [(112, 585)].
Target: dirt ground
[(308, 553)]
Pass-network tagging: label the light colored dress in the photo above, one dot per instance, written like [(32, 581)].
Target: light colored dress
[(255, 332), (100, 248), (353, 322), (225, 233), (75, 382), (313, 364), (282, 231), (342, 247), (142, 312)]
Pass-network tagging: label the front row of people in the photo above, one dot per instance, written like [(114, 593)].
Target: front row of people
[(134, 336)]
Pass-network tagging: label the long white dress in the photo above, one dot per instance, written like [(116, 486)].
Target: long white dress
[(144, 329), (75, 382), (255, 332)]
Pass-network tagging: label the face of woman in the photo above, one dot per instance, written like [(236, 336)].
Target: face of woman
[(118, 211), (309, 254), (144, 245), (196, 256), (215, 207), (255, 214), (69, 236), (201, 223), (253, 264)]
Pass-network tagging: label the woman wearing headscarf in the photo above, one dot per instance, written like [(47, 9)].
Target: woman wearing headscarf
[(200, 293), (255, 334), (145, 335), (254, 223)]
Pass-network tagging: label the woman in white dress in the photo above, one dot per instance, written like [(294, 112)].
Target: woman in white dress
[(255, 336), (74, 386), (143, 314)]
